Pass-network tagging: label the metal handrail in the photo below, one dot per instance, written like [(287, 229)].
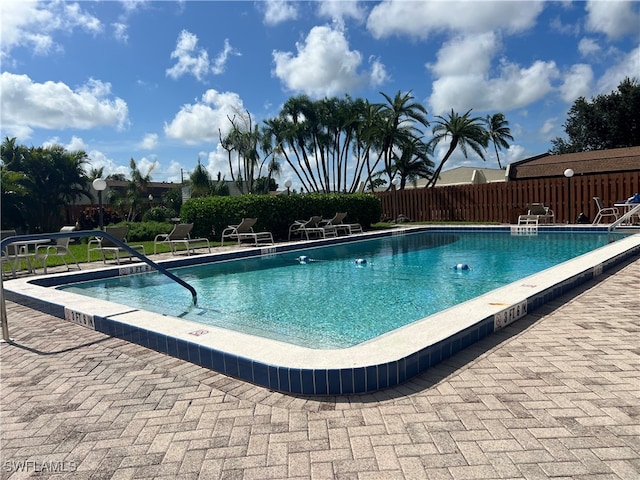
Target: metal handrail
[(79, 234), (635, 210)]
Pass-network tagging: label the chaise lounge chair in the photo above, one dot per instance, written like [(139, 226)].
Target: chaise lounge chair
[(107, 246), (244, 231), (544, 214), (181, 235), (311, 227)]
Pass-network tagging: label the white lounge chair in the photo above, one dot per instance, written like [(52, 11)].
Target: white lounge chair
[(107, 246), (181, 235), (544, 214), (244, 231), (311, 227)]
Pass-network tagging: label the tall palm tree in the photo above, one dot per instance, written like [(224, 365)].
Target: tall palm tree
[(462, 131), (399, 116), (499, 132), (413, 162)]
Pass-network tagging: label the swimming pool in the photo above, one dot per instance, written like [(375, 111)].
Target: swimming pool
[(385, 361), (340, 296)]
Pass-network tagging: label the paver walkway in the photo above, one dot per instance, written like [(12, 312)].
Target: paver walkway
[(555, 395)]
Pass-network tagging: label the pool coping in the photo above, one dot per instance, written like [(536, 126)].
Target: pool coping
[(385, 361)]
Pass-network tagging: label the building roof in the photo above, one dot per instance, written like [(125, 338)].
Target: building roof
[(466, 176), (596, 161)]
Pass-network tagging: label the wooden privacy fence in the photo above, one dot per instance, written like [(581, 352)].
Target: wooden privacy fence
[(502, 202)]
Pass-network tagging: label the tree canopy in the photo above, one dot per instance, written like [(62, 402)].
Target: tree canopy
[(607, 121)]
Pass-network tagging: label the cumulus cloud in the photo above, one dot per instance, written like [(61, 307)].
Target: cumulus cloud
[(577, 83), (199, 122), (54, 105), (588, 47), (279, 11), (190, 59), (614, 19), (463, 81), (627, 66), (33, 25), (421, 18), (149, 142), (340, 9), (324, 65)]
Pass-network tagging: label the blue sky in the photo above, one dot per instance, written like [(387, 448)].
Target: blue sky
[(155, 81)]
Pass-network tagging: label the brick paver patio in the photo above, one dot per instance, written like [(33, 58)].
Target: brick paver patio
[(555, 395)]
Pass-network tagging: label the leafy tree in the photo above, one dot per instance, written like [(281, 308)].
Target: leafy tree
[(608, 121), (134, 197), (499, 132), (51, 177), (200, 181), (413, 163), (461, 131)]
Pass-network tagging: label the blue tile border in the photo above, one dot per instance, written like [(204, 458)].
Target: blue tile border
[(305, 381)]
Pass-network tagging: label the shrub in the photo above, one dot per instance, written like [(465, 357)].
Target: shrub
[(276, 212), (145, 231), (158, 214)]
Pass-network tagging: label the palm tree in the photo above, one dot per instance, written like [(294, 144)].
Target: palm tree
[(463, 131), (413, 162), (200, 181), (498, 132), (399, 116)]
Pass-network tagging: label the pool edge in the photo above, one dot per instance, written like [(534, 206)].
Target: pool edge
[(501, 307)]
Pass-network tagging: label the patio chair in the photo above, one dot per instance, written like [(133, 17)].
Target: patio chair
[(60, 250), (8, 254), (604, 211), (336, 222), (311, 227), (544, 214), (107, 246), (244, 231), (181, 235)]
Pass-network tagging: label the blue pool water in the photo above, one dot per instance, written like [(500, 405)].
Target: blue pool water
[(334, 302)]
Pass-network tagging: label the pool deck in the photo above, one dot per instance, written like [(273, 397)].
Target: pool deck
[(554, 395)]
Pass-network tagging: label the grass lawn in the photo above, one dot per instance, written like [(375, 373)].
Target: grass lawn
[(79, 252)]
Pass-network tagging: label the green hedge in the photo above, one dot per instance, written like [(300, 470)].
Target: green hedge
[(276, 212)]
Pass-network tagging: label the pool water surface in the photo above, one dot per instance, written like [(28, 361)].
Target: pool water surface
[(322, 298)]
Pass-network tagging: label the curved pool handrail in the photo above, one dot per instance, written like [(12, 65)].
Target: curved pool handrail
[(79, 234)]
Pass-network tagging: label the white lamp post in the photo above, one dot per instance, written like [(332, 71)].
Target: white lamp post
[(288, 185), (99, 184), (395, 182), (568, 173)]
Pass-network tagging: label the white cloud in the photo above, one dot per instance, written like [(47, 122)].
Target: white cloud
[(54, 105), (379, 74), (324, 65), (217, 161), (340, 9), (149, 142), (199, 122), (190, 59), (588, 47), (279, 11), (220, 62), (120, 32), (614, 19), (33, 25), (422, 18), (627, 66), (463, 78), (577, 83)]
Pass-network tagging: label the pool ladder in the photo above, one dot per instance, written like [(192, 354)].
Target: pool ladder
[(627, 216), (79, 234)]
